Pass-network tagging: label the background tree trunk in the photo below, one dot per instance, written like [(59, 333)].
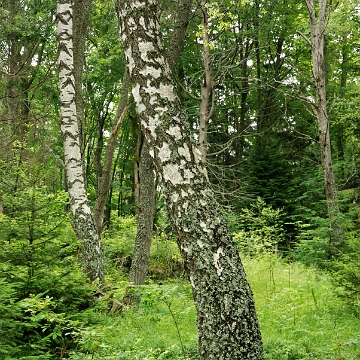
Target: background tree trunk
[(145, 217), (317, 42), (104, 180), (226, 317), (84, 226), (81, 17), (208, 86)]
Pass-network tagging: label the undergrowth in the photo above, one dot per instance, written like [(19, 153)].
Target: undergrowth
[(300, 319), (47, 311)]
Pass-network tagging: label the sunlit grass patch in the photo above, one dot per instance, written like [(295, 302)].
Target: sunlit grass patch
[(300, 317)]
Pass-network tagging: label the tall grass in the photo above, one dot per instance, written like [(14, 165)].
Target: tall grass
[(300, 318)]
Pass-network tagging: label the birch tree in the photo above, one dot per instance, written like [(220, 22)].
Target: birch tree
[(226, 318), (83, 223), (144, 173)]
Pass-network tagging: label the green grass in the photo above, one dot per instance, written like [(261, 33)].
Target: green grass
[(300, 318), (299, 314)]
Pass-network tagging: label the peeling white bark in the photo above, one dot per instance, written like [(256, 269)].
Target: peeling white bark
[(140, 107), (200, 244), (84, 225), (210, 257), (156, 73), (217, 264), (163, 90), (175, 197), (164, 153), (171, 173), (128, 54), (175, 132), (185, 152)]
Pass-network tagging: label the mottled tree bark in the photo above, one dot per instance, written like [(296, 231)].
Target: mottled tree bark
[(144, 183), (226, 317), (84, 226), (317, 42)]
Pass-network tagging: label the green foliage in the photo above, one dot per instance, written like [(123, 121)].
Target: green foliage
[(44, 290), (261, 228), (346, 271), (9, 315), (165, 259), (300, 319), (50, 333), (161, 327), (299, 315), (43, 302), (313, 243)]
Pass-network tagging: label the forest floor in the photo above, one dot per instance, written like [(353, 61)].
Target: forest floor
[(299, 314)]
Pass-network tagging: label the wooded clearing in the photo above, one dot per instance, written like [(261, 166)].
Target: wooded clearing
[(179, 179)]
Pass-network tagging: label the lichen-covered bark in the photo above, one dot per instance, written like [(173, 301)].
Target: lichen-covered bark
[(92, 257), (144, 179), (317, 42), (226, 317)]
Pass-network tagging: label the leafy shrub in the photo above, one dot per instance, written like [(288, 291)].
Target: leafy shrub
[(43, 291), (165, 259), (9, 319), (261, 229), (312, 246), (45, 296), (346, 274)]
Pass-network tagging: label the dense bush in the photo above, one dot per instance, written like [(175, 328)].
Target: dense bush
[(346, 271), (43, 292), (260, 229), (165, 259)]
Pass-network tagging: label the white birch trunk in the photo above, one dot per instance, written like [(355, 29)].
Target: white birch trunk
[(83, 223)]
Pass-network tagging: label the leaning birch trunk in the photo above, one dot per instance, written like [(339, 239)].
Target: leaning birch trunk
[(145, 172), (227, 324), (92, 257), (317, 42)]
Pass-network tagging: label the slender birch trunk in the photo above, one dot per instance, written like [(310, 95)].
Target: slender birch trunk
[(227, 324), (84, 226)]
